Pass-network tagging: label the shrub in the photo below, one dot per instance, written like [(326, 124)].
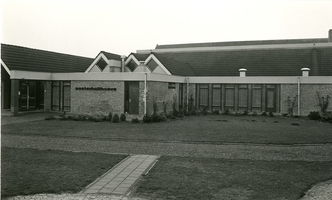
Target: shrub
[(50, 117), (147, 118), (264, 113), (323, 103), (135, 120), (271, 114), (115, 118), (123, 117), (91, 118), (109, 117), (193, 112), (155, 118), (205, 110), (314, 115), (215, 112), (162, 118), (327, 117), (254, 114), (245, 112), (226, 112), (285, 114)]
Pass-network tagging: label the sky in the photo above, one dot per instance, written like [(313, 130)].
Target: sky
[(86, 27)]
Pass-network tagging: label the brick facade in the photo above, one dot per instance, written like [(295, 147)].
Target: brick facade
[(308, 97), (97, 101), (159, 92)]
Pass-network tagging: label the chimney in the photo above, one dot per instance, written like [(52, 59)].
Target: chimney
[(242, 72), (305, 72), (330, 35), (122, 63)]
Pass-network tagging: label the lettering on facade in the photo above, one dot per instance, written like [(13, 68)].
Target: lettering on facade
[(95, 88)]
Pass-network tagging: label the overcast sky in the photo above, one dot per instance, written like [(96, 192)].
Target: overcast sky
[(86, 27)]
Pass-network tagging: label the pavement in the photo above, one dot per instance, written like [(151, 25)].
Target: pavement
[(116, 184)]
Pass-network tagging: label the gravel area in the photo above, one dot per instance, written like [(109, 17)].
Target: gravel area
[(229, 151), (71, 197)]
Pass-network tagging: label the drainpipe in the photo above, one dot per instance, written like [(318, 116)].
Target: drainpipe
[(187, 80), (145, 78), (298, 96)]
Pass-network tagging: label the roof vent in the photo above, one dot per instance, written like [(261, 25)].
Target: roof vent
[(242, 72), (305, 72)]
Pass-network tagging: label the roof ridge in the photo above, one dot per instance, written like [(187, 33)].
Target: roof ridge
[(49, 51), (243, 43)]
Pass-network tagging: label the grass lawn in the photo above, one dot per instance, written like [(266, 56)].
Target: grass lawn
[(206, 178), (27, 171), (215, 129)]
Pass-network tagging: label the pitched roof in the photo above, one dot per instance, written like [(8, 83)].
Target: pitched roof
[(111, 56), (261, 62), (140, 57), (27, 59), (176, 67), (242, 43)]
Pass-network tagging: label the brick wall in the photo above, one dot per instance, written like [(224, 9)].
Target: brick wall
[(159, 92), (97, 101), (309, 98)]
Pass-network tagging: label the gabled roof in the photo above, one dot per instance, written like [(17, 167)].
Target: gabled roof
[(27, 59), (176, 67), (260, 62), (140, 57), (242, 43), (111, 56)]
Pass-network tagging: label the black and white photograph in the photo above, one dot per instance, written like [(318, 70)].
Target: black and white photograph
[(166, 100)]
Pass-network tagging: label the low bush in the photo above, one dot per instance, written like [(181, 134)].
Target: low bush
[(50, 117), (245, 112), (215, 112), (162, 117), (264, 113), (116, 118), (226, 112), (327, 117), (254, 114), (109, 117), (314, 115), (147, 118), (205, 110), (271, 114), (155, 117), (123, 117), (135, 120)]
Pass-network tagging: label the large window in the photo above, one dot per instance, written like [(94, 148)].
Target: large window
[(229, 96), (256, 98), (203, 95), (243, 97), (216, 97)]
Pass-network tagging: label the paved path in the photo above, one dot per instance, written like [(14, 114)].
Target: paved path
[(122, 177)]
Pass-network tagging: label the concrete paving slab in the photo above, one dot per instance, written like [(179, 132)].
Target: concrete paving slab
[(123, 176)]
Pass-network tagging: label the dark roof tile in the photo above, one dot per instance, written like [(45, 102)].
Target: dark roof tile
[(27, 59)]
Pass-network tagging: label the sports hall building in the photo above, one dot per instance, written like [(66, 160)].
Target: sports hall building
[(258, 76)]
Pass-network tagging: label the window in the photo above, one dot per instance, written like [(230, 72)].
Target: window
[(171, 86), (243, 97), (216, 97), (203, 95), (101, 64), (229, 96)]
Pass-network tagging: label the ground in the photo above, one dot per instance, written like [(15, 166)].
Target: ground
[(204, 157)]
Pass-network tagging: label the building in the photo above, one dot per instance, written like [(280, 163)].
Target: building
[(255, 76)]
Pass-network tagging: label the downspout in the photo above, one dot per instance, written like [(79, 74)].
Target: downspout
[(298, 95), (187, 80), (145, 78)]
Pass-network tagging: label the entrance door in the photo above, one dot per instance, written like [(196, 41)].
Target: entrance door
[(27, 95), (132, 97), (270, 98)]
